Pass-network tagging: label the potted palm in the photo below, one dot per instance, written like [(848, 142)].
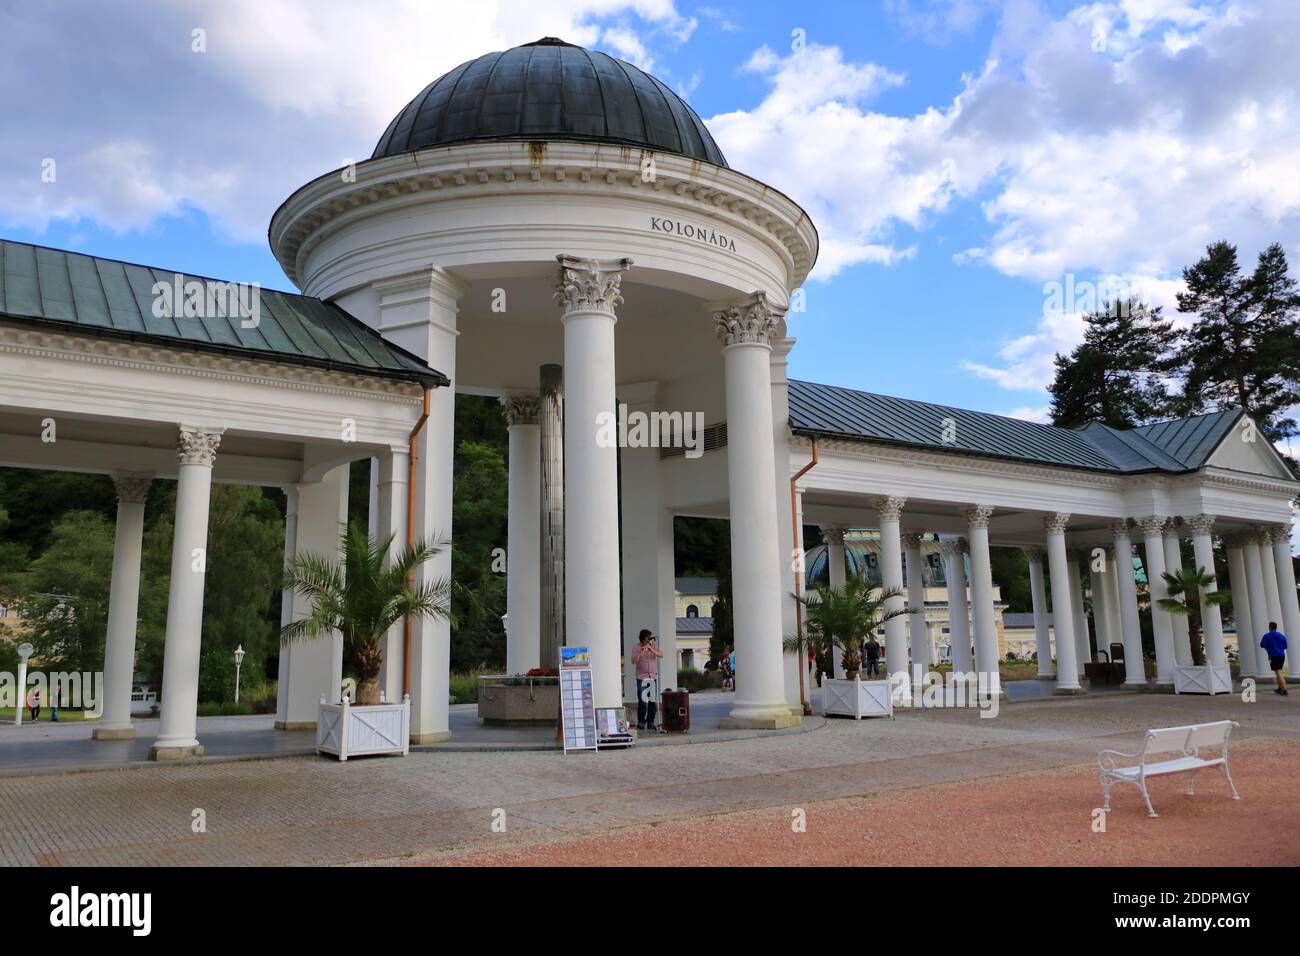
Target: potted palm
[(362, 594), (1185, 588), (843, 618)]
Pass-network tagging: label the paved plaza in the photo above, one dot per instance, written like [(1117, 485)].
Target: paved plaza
[(440, 805)]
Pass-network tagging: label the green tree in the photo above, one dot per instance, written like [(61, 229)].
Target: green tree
[(362, 596), (65, 596), (843, 617), (480, 486), (1184, 588), (1115, 375), (1244, 348)]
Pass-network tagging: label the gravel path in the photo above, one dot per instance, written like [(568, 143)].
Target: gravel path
[(1041, 818)]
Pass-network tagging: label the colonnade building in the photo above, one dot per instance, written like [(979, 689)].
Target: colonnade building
[(557, 228)]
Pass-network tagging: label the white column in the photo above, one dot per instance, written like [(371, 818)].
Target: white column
[(177, 733), (1067, 667), (1211, 620), (523, 534), (392, 492), (312, 668), (1272, 594), (1110, 581), (1099, 587), (981, 587), (588, 294), (286, 602), (1179, 622), (890, 511), (746, 330), (958, 611), (778, 365), (1286, 585), (835, 566), (1241, 615), (123, 609), (1135, 674), (918, 633), (1038, 593), (647, 542), (1260, 613), (1082, 645), (1153, 535)]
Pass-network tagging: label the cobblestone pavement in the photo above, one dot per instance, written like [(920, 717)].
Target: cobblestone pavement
[(307, 810)]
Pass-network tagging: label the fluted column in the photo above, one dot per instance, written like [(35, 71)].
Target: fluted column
[(177, 734), (523, 534), (1082, 644), (835, 567), (1099, 587), (123, 609), (1153, 532), (1241, 611), (1286, 585), (1178, 622), (1067, 662), (918, 634), (1135, 674), (746, 330), (982, 615), (1042, 634), (890, 510), (588, 294), (954, 556), (1272, 594), (1259, 609), (1211, 620)]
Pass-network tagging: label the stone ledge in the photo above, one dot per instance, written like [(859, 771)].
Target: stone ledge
[(295, 725), (1069, 692), (760, 723), (435, 738), (175, 753), (113, 733)]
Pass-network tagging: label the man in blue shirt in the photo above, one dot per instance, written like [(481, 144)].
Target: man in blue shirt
[(1274, 644)]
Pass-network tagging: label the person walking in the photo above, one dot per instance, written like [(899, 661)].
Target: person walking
[(34, 704), (1274, 644), (646, 658)]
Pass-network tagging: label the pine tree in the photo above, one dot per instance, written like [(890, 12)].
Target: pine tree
[(1244, 348), (1115, 375)]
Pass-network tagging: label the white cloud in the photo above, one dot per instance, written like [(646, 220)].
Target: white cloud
[(142, 127), (1042, 414)]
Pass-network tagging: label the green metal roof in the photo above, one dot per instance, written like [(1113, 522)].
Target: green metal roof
[(93, 296), (1173, 447)]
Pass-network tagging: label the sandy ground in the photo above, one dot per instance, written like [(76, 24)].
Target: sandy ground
[(1033, 819)]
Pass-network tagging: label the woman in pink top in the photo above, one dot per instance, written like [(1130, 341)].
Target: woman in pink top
[(645, 657)]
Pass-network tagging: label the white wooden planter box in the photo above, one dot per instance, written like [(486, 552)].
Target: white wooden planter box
[(353, 731), (1189, 679), (857, 698)]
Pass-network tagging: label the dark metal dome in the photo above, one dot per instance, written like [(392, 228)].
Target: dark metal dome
[(550, 90)]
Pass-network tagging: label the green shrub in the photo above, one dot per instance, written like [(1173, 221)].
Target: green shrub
[(226, 708), (696, 681), (464, 688)]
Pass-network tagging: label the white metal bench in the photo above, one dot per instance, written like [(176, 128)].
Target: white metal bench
[(1169, 750)]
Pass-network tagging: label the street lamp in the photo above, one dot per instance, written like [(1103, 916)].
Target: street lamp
[(24, 652), (239, 659)]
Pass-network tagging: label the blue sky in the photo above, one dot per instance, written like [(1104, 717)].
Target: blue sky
[(957, 155)]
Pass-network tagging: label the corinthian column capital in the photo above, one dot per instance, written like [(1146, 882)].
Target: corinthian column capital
[(197, 446), (978, 515), (752, 321), (590, 285), (132, 489), (889, 508), (521, 409), (1033, 554), (833, 535), (951, 546), (912, 540), (1200, 524), (1153, 527), (1055, 523)]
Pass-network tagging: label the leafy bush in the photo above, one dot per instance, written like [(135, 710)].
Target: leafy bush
[(696, 681)]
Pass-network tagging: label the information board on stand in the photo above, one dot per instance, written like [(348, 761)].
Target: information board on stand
[(577, 703)]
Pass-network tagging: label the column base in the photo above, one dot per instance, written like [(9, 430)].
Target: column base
[(434, 738), (175, 753), (113, 733), (760, 721), (1156, 687), (1045, 677), (1069, 692), (295, 725), (1136, 685)]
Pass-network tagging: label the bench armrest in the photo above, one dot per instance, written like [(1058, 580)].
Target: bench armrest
[(1106, 759)]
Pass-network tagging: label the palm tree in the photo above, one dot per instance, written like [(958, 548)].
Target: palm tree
[(363, 596), (1186, 593), (843, 617)]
